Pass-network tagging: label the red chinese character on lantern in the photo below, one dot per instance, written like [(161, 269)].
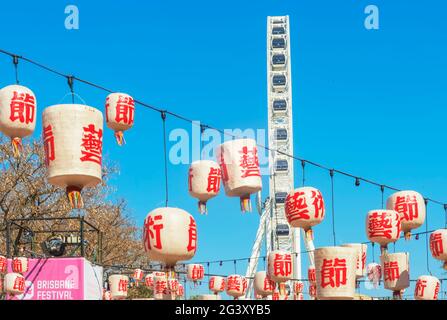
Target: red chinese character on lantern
[(420, 287), (312, 290), (296, 207), (233, 283), (391, 271), (318, 203), (311, 274), (92, 145), (249, 162), (122, 285), (3, 264), (275, 295), (149, 281), (160, 287), (282, 265), (333, 273), (269, 285), (192, 235), (380, 225), (23, 107), (436, 246), (213, 180), (222, 285), (125, 110), (197, 272), (211, 284), (17, 265), (244, 284), (436, 293), (48, 144), (363, 260), (153, 231), (408, 206), (19, 284)]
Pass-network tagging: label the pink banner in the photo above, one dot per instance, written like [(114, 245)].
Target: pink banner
[(53, 279)]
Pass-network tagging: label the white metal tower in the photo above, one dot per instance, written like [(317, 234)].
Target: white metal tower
[(273, 223)]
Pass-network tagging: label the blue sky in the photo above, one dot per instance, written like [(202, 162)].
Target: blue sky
[(371, 102)]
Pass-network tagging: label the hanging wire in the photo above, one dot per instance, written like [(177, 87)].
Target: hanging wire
[(382, 190), (15, 61), (331, 173), (163, 118)]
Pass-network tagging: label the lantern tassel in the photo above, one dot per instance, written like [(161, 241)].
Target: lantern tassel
[(407, 235), (17, 147), (245, 204), (202, 207), (309, 235), (74, 197), (119, 135)]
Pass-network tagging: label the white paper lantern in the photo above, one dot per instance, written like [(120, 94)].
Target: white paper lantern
[(304, 208), (438, 245), (204, 181), (396, 273), (411, 207), (72, 135), (173, 284), (17, 114), (361, 249), (170, 235), (335, 270), (235, 286), (149, 280), (313, 291), (138, 275), (263, 285), (427, 288), (161, 290), (118, 285), (120, 111), (216, 284), (383, 226), (20, 264), (180, 291), (14, 283), (280, 267), (298, 286), (195, 272), (241, 173)]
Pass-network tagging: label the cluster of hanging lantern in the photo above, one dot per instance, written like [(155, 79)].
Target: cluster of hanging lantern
[(14, 282)]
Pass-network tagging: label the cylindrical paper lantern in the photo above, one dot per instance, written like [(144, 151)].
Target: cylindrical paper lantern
[(17, 114), (335, 270), (241, 173), (149, 280), (161, 289), (118, 286), (235, 286), (396, 274), (170, 235), (263, 285), (72, 137), (14, 283), (280, 265), (204, 181), (427, 288), (180, 291), (120, 111), (438, 245), (361, 249), (19, 264), (304, 208), (216, 284), (383, 226), (411, 207), (313, 291)]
